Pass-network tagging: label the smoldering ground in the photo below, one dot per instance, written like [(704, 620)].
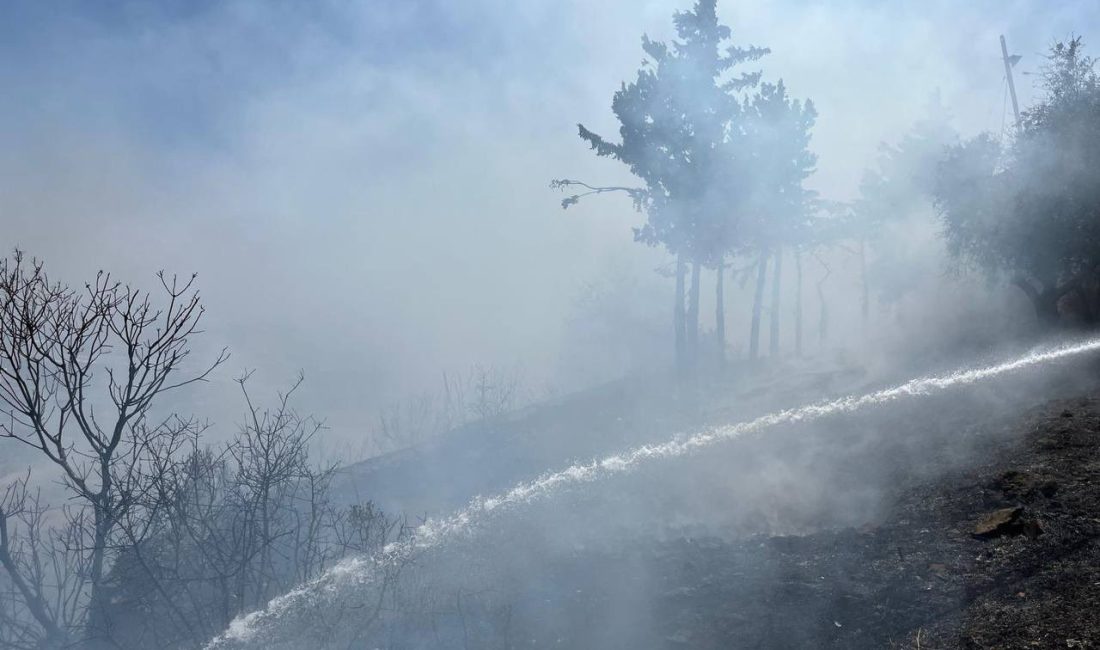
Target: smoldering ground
[(575, 566)]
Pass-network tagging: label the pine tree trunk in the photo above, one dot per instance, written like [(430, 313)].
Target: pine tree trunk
[(678, 315), (777, 270), (865, 294), (798, 303), (720, 312), (823, 313), (757, 304), (693, 316)]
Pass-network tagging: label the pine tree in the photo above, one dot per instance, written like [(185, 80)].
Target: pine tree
[(779, 136), (681, 134)]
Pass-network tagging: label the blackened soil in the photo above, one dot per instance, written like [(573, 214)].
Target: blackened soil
[(920, 577)]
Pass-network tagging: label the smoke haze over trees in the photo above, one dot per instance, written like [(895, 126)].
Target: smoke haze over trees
[(1028, 213), (778, 205), (209, 128)]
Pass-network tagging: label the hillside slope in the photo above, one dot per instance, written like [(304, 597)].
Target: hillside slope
[(489, 456), (1002, 554), (969, 518)]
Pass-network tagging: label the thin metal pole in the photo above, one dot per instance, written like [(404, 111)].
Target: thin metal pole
[(1011, 83)]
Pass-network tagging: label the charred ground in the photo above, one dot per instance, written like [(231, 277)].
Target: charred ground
[(967, 519), (918, 576)]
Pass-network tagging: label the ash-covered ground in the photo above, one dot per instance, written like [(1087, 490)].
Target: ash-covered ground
[(970, 519), (1004, 554)]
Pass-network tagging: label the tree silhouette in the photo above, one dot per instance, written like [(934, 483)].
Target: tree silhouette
[(778, 205), (681, 134), (1031, 214), (897, 197)]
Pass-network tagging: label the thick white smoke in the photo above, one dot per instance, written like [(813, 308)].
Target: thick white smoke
[(259, 628)]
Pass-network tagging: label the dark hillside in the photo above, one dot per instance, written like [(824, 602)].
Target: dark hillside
[(1001, 554), (968, 520), (485, 457), (923, 576)]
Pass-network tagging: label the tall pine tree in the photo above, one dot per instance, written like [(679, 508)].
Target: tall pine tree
[(681, 133)]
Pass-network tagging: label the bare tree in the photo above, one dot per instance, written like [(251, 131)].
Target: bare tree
[(496, 391), (226, 530), (79, 374), (32, 611), (484, 393)]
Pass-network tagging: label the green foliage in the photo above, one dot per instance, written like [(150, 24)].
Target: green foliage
[(1032, 213), (895, 213), (722, 158), (681, 132), (779, 209), (904, 179), (973, 206)]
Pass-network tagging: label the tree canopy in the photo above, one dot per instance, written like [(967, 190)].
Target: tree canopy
[(778, 205), (721, 156), (1031, 213), (679, 133)]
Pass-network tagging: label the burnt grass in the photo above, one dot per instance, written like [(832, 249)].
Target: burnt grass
[(922, 577), (918, 577), (965, 520), (931, 570)]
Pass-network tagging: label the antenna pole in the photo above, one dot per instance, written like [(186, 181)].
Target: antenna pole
[(1011, 83)]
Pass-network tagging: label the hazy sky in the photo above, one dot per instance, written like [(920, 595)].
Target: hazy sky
[(362, 186)]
